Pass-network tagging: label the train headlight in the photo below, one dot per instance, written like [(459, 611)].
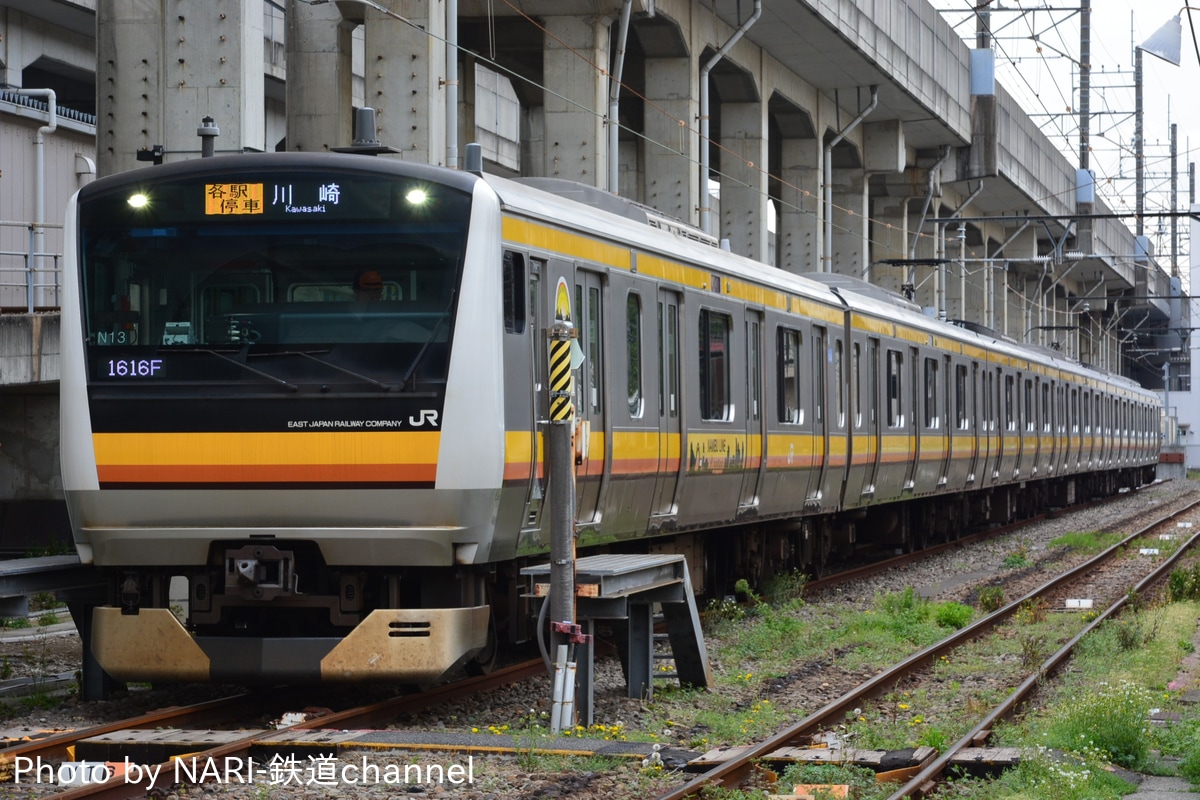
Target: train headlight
[(138, 200)]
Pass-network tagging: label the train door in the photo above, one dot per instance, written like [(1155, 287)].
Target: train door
[(670, 404), (991, 464), (996, 435), (1012, 427), (820, 434), (974, 418), (1088, 439), (866, 388), (591, 455), (1074, 432), (914, 422), (1028, 455), (752, 451), (945, 420), (536, 491)]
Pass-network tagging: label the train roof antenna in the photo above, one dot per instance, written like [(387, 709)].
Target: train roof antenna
[(365, 142), (474, 158)]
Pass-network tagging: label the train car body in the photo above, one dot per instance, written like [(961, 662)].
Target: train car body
[(347, 483)]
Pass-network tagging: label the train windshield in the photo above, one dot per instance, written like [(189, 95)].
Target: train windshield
[(333, 282)]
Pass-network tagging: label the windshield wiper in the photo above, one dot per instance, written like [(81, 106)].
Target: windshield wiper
[(412, 368), (384, 386), (291, 387)]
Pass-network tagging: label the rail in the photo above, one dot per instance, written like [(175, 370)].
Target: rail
[(383, 712), (733, 771)]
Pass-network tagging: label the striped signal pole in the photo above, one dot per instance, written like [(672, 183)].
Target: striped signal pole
[(561, 453), (562, 380)]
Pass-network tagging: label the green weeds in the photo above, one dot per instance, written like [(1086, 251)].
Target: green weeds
[(1087, 541)]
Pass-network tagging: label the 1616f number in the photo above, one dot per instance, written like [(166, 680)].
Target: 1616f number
[(134, 367)]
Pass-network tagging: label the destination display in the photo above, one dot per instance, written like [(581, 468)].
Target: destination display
[(293, 197)]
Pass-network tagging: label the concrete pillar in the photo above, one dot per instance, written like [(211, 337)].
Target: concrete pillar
[(574, 138), (403, 71), (164, 65), (974, 304), (467, 98), (10, 70), (800, 192), (744, 178), (924, 278), (889, 241), (850, 249), (320, 113), (671, 180)]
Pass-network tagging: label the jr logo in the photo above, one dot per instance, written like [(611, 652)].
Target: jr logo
[(429, 415)]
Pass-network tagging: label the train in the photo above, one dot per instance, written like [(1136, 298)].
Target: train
[(348, 485)]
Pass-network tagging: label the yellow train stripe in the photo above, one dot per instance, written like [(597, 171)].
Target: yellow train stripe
[(544, 237)]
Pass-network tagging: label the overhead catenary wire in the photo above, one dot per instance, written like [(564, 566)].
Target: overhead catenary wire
[(884, 225)]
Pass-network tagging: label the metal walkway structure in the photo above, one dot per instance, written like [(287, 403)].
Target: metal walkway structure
[(625, 589)]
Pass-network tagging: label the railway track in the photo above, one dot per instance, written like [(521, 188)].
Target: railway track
[(224, 709), (846, 576), (739, 767)]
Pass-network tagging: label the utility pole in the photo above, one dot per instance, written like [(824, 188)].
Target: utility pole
[(1174, 201), (1138, 154)]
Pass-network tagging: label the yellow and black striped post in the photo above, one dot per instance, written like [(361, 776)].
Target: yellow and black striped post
[(562, 379), (560, 450)]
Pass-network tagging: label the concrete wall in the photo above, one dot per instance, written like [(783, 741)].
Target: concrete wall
[(68, 166), (33, 517)]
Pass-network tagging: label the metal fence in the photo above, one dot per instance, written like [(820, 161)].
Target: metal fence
[(30, 278)]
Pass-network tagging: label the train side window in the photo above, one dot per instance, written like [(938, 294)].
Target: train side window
[(839, 383), (895, 403), (984, 387), (818, 375), (633, 337), (787, 364), (856, 377), (753, 370), (1045, 408), (589, 336), (513, 281), (1028, 405), (873, 371), (714, 366), (668, 341), (960, 396), (1010, 419), (931, 383), (989, 395)]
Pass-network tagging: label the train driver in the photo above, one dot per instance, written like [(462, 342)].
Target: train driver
[(368, 286)]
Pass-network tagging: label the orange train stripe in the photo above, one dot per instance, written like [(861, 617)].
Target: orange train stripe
[(266, 450), (269, 473)]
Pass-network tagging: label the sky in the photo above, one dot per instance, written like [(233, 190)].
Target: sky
[(1042, 75)]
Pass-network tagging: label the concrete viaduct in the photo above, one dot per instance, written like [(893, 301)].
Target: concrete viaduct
[(861, 137)]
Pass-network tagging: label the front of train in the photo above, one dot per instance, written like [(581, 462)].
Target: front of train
[(281, 393)]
